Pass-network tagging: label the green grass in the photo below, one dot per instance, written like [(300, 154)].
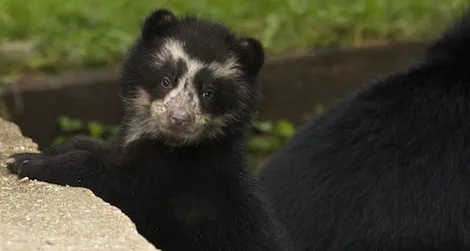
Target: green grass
[(77, 33)]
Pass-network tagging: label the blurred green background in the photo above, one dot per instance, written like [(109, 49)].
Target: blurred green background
[(56, 34)]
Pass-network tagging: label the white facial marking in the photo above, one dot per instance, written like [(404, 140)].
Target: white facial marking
[(141, 98), (229, 69), (145, 125), (174, 49), (138, 105)]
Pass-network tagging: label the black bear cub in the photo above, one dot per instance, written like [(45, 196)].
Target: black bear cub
[(387, 168), (176, 168)]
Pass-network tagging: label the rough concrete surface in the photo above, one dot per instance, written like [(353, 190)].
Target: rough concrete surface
[(39, 216)]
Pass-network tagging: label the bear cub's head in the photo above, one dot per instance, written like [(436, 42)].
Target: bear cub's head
[(188, 79)]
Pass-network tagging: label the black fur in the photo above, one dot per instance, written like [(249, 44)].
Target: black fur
[(181, 197), (387, 168)]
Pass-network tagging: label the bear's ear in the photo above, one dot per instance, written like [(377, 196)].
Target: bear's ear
[(155, 23), (251, 54)]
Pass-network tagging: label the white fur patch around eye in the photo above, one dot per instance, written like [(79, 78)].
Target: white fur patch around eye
[(174, 50)]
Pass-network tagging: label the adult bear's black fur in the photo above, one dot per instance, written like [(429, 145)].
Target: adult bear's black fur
[(387, 168)]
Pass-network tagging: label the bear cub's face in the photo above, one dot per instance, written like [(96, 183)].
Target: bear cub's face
[(188, 78)]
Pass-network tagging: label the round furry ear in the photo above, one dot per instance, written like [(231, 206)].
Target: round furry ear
[(156, 22), (251, 54)]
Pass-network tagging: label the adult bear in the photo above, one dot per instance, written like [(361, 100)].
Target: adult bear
[(387, 168)]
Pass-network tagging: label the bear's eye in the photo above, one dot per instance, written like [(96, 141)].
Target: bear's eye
[(207, 94), (166, 82)]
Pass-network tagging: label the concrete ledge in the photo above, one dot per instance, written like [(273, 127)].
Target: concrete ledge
[(39, 216)]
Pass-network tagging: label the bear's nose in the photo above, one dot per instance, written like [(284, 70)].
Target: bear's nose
[(180, 118)]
